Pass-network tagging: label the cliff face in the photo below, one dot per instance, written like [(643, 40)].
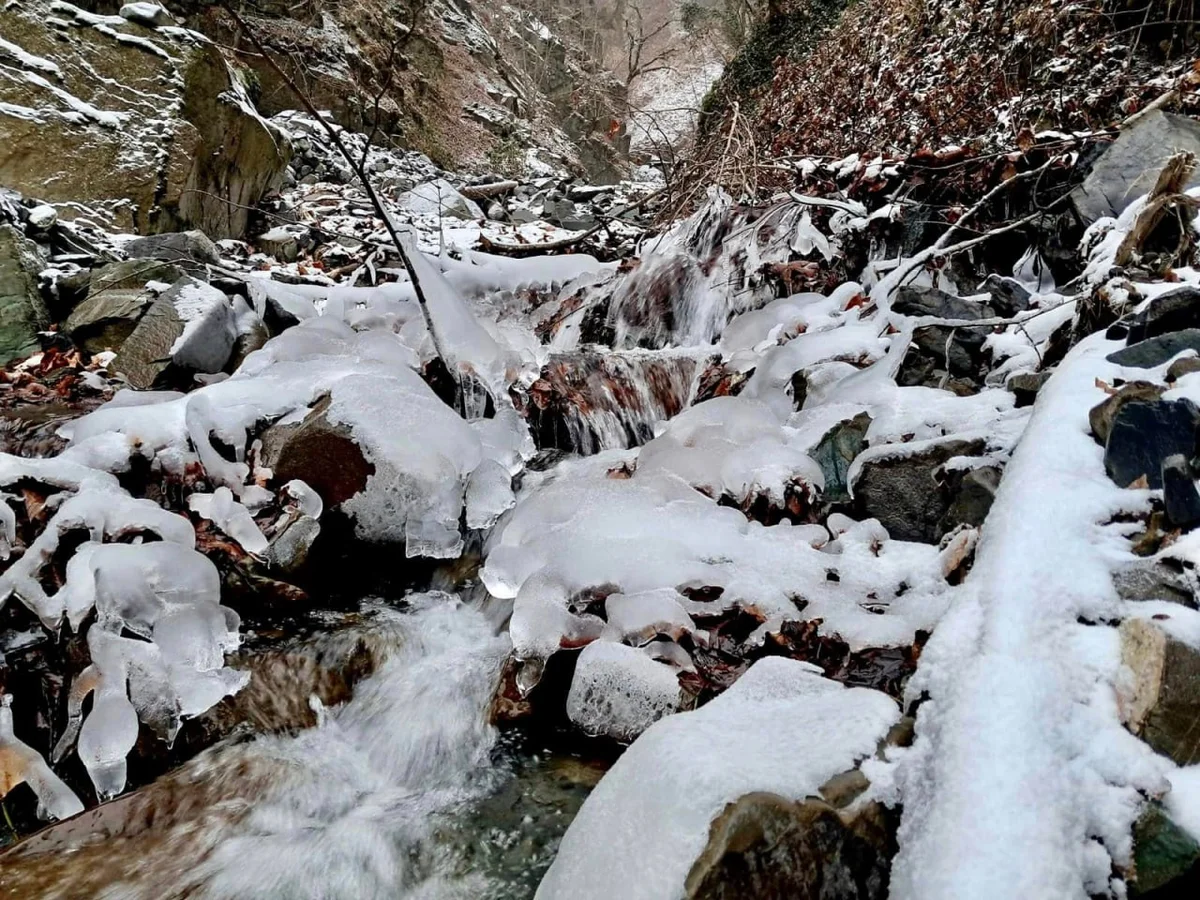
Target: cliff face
[(157, 121), (824, 78)]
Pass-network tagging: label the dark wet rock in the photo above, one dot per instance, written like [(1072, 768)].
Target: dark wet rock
[(182, 247), (160, 344), (964, 354), (116, 300), (836, 451), (1144, 434), (972, 498), (23, 313), (1130, 165), (1180, 499), (1171, 311), (1101, 416), (1026, 385), (1181, 367), (764, 845), (1162, 703), (1165, 857), (1157, 350), (1153, 580), (318, 452), (911, 494), (1009, 296)]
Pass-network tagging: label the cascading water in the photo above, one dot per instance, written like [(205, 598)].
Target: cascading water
[(380, 800), (590, 401)]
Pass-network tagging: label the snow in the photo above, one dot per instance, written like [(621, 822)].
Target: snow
[(28, 60), (653, 532), (1183, 802), (781, 728), (1019, 752), (619, 691)]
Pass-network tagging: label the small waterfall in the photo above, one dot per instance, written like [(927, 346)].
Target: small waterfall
[(594, 400), (358, 807)]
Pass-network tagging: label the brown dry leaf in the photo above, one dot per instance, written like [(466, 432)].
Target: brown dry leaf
[(1138, 484), (1106, 387)]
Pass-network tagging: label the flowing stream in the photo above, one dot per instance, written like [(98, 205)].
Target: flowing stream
[(405, 791)]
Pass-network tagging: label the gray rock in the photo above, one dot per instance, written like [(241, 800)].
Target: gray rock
[(1129, 166), (190, 327), (1102, 414), (1009, 296), (1144, 434), (177, 247), (438, 197), (495, 212), (290, 548), (116, 300), (1180, 499), (22, 311), (521, 216), (910, 494), (1171, 311), (149, 14), (1157, 350), (1026, 386), (965, 352), (43, 218), (1161, 703), (1152, 580), (836, 451)]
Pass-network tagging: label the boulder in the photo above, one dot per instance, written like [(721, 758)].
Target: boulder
[(116, 300), (1161, 702), (1130, 165), (80, 128), (1144, 434), (1156, 350), (22, 311), (1174, 310), (836, 451), (1164, 856), (912, 496), (319, 452), (181, 247), (190, 328), (764, 845)]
